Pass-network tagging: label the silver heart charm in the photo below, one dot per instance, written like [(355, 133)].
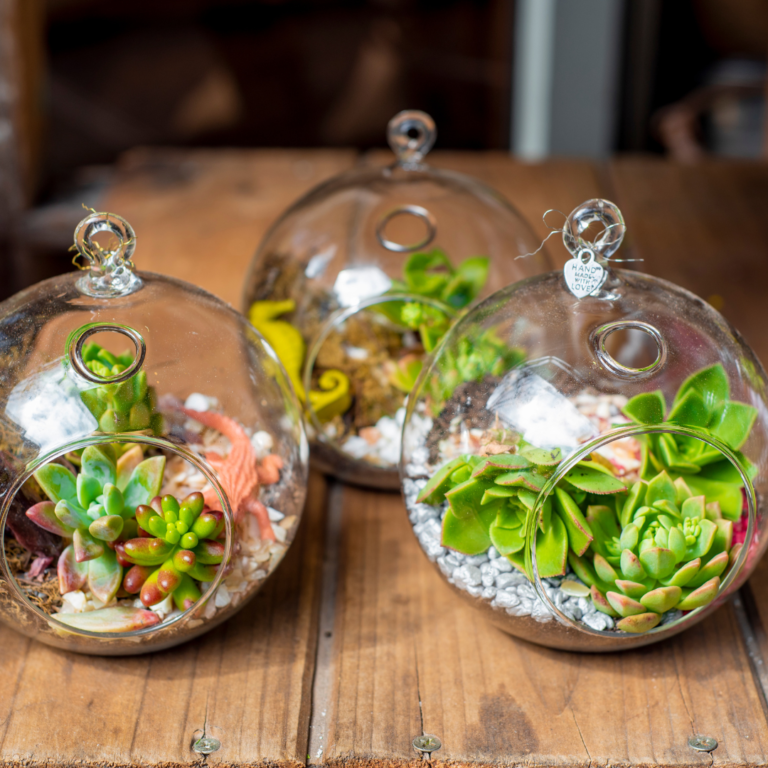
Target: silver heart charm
[(583, 275)]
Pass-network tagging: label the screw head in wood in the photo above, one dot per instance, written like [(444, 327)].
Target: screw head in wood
[(427, 743), (702, 743), (206, 745)]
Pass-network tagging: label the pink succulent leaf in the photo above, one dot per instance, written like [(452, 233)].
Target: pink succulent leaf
[(113, 619), (72, 575), (43, 514)]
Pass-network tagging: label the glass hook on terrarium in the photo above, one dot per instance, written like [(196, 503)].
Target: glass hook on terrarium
[(411, 134), (110, 269)]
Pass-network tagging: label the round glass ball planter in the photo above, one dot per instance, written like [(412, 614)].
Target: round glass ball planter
[(437, 239), (153, 459), (601, 488)]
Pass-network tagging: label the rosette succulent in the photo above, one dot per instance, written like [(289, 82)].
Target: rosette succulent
[(122, 407), (94, 509), (663, 543), (179, 549)]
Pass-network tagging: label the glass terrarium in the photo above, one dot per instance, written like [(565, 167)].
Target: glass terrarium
[(601, 484), (153, 461), (356, 283)]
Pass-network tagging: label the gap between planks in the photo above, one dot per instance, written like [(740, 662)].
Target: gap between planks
[(322, 684)]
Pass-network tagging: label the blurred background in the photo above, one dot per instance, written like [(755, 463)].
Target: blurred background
[(81, 81)]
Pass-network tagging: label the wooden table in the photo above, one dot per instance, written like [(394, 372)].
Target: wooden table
[(355, 646)]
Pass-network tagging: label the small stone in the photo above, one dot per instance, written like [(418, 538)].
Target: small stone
[(493, 553), (541, 612), (199, 402), (502, 565), (504, 580), (469, 574), (598, 621), (574, 588), (506, 599), (489, 593), (222, 598), (488, 579)]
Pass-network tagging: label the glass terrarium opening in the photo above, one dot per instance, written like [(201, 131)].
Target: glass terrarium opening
[(363, 365), (117, 535), (624, 535)]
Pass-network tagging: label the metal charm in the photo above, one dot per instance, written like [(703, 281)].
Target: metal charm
[(583, 275)]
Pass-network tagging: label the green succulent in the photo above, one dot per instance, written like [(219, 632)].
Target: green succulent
[(181, 550), (431, 275), (662, 544), (122, 407), (472, 360), (95, 509), (703, 402)]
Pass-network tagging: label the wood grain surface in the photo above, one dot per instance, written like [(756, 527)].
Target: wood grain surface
[(356, 645)]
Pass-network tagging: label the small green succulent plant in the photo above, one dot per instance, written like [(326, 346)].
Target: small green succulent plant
[(664, 543), (121, 407), (95, 508), (430, 274), (123, 534), (702, 402), (181, 549)]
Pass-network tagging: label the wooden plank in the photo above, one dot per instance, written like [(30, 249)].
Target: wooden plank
[(412, 657), (200, 215), (247, 683)]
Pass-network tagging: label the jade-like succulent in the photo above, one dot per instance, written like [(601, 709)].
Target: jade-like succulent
[(122, 407), (178, 550), (663, 544), (94, 509)]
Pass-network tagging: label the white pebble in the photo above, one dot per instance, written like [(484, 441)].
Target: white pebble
[(274, 515), (262, 443), (502, 565), (199, 402), (506, 599), (222, 596), (598, 621), (73, 602), (469, 574), (504, 580), (163, 608), (280, 533)]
